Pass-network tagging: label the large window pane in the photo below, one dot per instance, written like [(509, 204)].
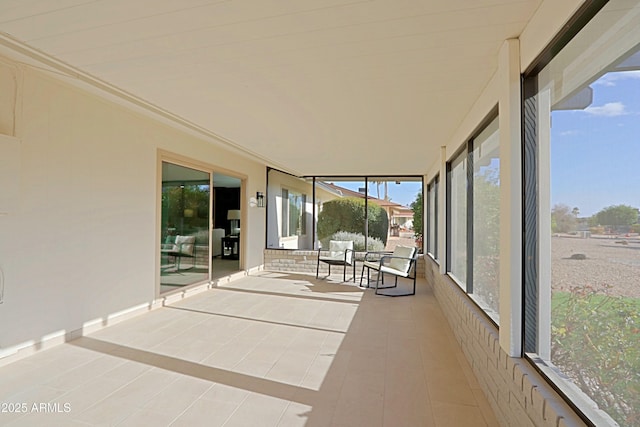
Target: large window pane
[(308, 212), (432, 215), (184, 250), (395, 211), (340, 203), (458, 218), (587, 294), (486, 218)]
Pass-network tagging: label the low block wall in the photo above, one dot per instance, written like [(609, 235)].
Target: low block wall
[(299, 261), (518, 395)]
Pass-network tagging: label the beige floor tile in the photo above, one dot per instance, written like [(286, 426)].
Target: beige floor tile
[(47, 419), (35, 394), (88, 394), (149, 417), (8, 418), (485, 408), (206, 412), (84, 373), (277, 349), (258, 410), (454, 415), (295, 415), (225, 393), (106, 412), (443, 389), (144, 388)]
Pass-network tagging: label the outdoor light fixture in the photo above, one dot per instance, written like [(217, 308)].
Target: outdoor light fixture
[(260, 199)]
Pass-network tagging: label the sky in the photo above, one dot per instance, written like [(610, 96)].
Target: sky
[(404, 193), (595, 152)]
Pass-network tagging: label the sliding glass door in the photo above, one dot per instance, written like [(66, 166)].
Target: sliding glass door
[(184, 250)]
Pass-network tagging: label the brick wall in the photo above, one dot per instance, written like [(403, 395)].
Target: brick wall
[(518, 395), (293, 261), (298, 261)]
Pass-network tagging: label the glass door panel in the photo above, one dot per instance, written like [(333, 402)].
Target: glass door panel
[(184, 250)]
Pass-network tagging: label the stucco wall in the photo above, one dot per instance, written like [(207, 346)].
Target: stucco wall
[(78, 242)]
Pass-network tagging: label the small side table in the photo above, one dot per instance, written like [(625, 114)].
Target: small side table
[(230, 247)]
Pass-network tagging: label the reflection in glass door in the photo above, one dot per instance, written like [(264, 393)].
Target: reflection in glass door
[(184, 249)]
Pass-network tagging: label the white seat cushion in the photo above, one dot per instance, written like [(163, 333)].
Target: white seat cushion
[(402, 264), (337, 251), (184, 244)]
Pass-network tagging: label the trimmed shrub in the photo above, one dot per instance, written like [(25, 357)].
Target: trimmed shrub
[(373, 244), (347, 214)]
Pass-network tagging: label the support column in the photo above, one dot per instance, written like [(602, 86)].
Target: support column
[(510, 198)]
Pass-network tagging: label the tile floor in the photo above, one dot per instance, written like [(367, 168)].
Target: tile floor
[(274, 349)]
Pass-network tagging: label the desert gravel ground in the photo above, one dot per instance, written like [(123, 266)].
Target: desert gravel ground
[(611, 262)]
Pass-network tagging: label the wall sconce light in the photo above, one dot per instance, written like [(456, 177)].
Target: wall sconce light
[(257, 201)]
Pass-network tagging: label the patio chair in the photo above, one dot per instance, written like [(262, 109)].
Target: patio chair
[(400, 263), (184, 246), (340, 253)]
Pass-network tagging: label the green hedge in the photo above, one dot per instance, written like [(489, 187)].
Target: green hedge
[(347, 214)]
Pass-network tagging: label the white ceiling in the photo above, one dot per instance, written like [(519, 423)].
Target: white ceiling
[(313, 86)]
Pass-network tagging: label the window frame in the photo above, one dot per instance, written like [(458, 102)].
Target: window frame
[(286, 213), (274, 190), (531, 198), (466, 153), (432, 231)]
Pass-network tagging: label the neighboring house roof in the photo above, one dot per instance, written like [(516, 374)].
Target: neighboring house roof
[(395, 208)]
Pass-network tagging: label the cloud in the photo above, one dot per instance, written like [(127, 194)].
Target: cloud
[(569, 133), (610, 109), (611, 79)]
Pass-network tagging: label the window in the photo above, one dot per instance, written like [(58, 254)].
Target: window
[(376, 213), (293, 213), (486, 219), (473, 230), (432, 217), (184, 240), (401, 199), (457, 224), (342, 211), (289, 223), (582, 241)]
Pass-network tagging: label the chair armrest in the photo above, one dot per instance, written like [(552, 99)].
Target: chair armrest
[(375, 255), (398, 257)]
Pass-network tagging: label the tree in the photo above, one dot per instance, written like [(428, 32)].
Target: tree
[(347, 214), (618, 216), (563, 220), (418, 206)]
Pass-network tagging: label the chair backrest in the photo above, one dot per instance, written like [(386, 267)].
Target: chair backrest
[(184, 244), (402, 264), (337, 248)]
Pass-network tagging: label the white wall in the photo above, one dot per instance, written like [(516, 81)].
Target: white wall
[(78, 243), (278, 181)]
